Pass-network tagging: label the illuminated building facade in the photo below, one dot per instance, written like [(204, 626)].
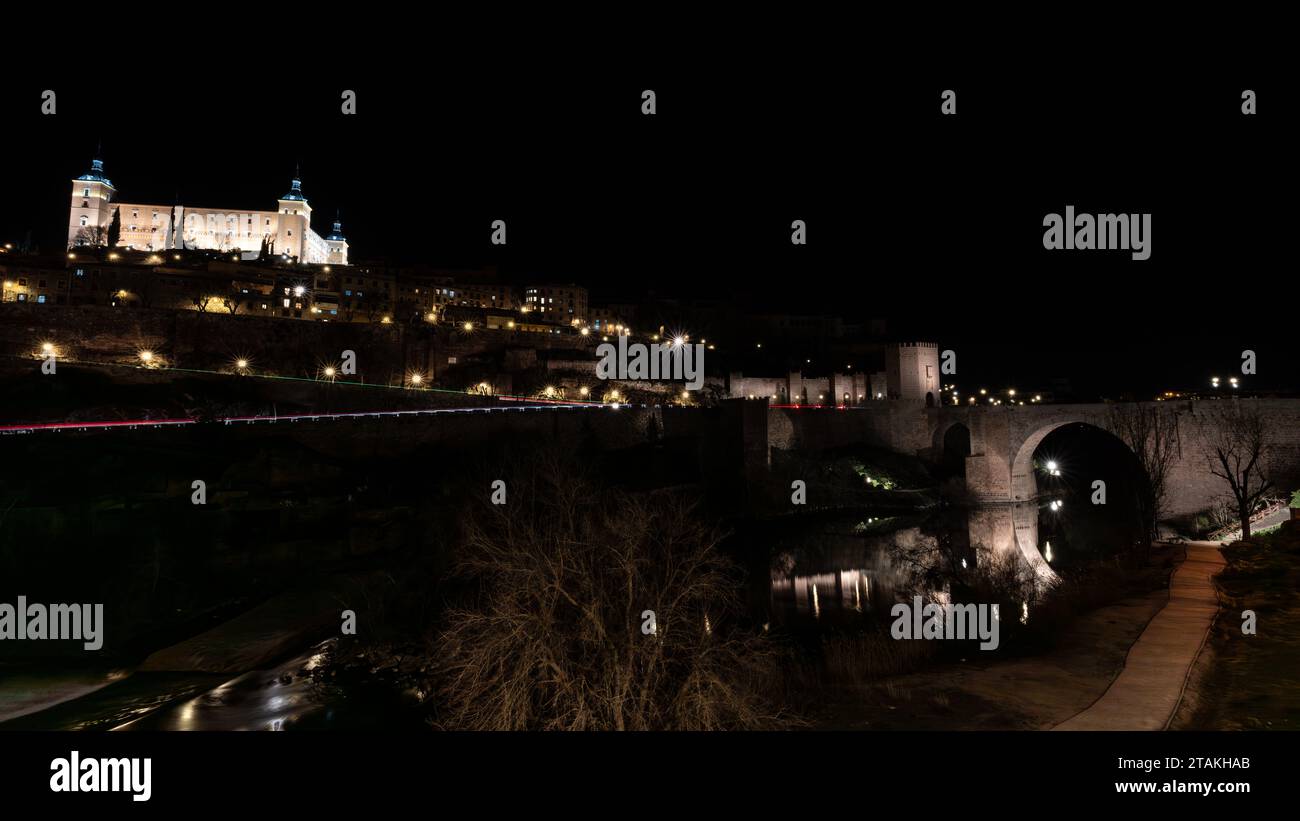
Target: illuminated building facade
[(557, 303), (286, 231)]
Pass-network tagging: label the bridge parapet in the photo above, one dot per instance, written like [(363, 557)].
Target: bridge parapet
[(999, 468)]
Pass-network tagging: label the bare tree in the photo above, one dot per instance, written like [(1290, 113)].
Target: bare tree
[(598, 610), (1152, 435), (201, 302), (93, 235), (1235, 449), (232, 301)]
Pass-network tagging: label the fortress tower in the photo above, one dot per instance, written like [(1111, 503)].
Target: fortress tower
[(338, 244), (912, 371), (92, 206), (294, 222)]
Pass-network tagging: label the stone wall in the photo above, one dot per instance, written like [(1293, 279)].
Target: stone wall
[(215, 339)]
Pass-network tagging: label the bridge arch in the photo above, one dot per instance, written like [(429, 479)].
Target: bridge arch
[(950, 446), (1024, 482), (1024, 492), (1024, 485), (1090, 451)]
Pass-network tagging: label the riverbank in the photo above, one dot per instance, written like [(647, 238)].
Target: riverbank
[(1028, 693), (1243, 681), (1150, 687)]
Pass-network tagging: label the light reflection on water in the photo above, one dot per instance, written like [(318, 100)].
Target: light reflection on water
[(853, 569), (280, 697), (272, 699), (844, 590)]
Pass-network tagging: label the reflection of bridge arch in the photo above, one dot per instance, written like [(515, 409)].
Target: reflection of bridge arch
[(1010, 530), (1024, 519)]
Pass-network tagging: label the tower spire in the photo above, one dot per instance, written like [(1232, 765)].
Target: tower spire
[(295, 190), (337, 233), (96, 172)]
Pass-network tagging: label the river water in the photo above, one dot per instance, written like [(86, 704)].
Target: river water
[(282, 697), (808, 573), (850, 568)]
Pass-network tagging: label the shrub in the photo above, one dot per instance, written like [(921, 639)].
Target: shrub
[(552, 635)]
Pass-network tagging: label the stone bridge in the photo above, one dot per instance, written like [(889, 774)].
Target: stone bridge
[(999, 468)]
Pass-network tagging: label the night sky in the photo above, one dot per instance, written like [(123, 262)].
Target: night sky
[(932, 223)]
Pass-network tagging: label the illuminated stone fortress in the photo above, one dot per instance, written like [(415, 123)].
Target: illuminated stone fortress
[(286, 231)]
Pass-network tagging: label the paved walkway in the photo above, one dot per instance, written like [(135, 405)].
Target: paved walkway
[(1147, 691)]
